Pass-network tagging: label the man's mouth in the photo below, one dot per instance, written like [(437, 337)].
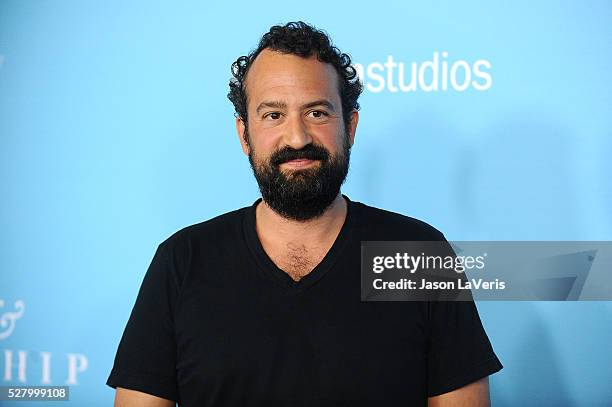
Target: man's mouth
[(299, 163)]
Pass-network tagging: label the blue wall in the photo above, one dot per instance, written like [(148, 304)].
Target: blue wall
[(115, 131)]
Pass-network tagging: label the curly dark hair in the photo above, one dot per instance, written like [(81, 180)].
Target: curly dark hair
[(301, 39)]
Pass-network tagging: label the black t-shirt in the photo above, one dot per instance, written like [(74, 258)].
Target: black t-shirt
[(217, 323)]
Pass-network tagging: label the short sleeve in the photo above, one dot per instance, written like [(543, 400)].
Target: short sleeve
[(459, 350), (146, 357)]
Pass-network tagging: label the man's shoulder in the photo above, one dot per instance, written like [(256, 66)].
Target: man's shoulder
[(218, 229), (388, 225)]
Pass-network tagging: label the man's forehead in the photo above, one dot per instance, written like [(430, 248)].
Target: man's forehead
[(273, 72)]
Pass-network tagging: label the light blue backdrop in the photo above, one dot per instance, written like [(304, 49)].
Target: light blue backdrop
[(115, 131)]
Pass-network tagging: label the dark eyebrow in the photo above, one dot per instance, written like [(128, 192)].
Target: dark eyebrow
[(272, 104), (320, 102), (283, 105)]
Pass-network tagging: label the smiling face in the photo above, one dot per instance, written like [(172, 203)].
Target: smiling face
[(296, 140)]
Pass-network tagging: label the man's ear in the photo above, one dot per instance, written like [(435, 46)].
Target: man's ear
[(354, 119), (240, 129)]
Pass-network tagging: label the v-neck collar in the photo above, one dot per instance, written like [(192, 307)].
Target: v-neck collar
[(279, 276)]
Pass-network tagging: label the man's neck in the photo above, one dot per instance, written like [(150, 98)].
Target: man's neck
[(273, 227)]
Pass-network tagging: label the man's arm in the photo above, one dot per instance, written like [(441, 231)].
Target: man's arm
[(133, 398), (475, 394)]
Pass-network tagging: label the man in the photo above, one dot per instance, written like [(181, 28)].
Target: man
[(261, 306)]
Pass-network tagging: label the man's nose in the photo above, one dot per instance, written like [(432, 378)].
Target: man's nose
[(297, 134)]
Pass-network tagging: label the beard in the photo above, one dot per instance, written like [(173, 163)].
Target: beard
[(301, 194)]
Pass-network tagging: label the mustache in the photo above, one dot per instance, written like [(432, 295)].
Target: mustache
[(308, 152)]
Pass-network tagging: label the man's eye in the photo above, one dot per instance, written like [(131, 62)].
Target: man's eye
[(272, 115), (318, 114)]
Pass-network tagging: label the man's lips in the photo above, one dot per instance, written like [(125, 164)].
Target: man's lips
[(299, 163)]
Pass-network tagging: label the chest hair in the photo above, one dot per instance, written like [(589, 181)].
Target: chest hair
[(297, 260)]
